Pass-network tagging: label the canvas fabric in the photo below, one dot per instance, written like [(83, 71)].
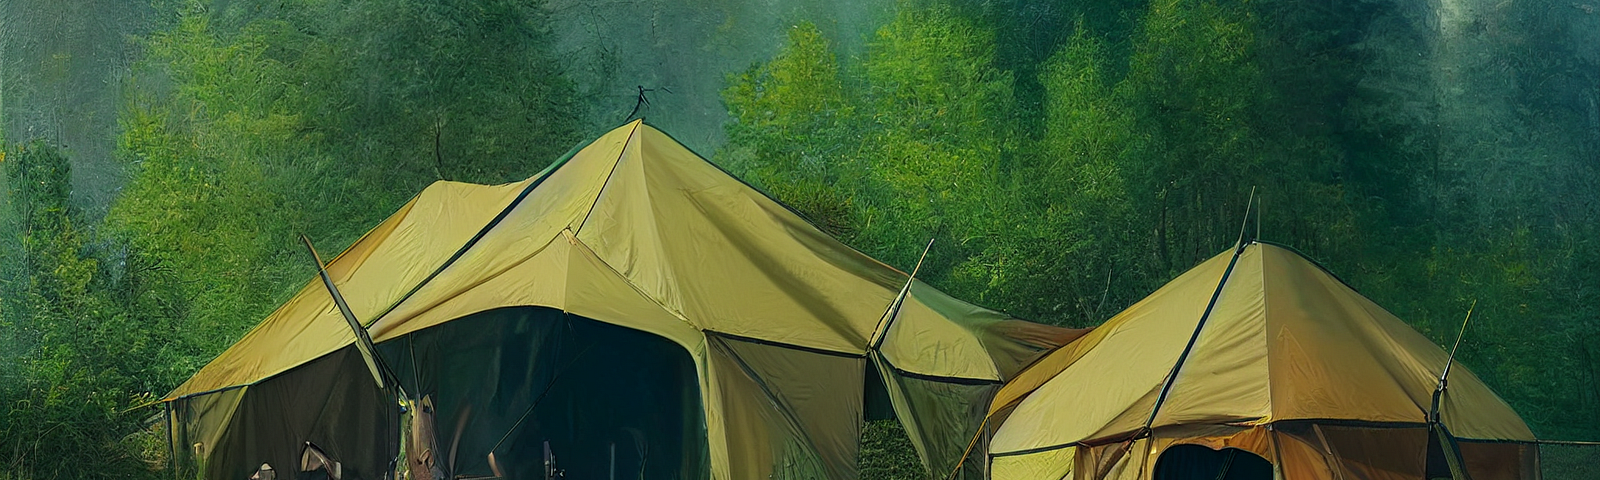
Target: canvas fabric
[(636, 231), (1287, 344), (230, 434)]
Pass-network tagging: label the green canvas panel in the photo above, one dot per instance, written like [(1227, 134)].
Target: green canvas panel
[(198, 422), (808, 404), (330, 402), (941, 416)]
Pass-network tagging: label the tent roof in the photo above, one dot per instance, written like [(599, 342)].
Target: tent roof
[(1285, 341), (633, 229)]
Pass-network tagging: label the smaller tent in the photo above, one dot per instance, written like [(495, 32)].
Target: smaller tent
[(1257, 363)]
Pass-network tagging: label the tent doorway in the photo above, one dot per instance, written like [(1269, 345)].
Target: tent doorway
[(610, 402), (1195, 462)]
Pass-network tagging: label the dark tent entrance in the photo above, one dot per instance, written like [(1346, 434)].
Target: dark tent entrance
[(610, 402), (321, 403), (1196, 462)]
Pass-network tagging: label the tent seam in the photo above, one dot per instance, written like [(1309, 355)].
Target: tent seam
[(1266, 332), (573, 237), (626, 144), (483, 232), (482, 279)]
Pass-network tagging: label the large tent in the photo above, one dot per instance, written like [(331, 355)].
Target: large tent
[(1257, 363), (633, 306)]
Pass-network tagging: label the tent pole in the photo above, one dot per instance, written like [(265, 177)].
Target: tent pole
[(172, 446), (1166, 385), (1245, 222), (1447, 443), (1277, 453), (987, 437), (884, 323), (1334, 463), (1172, 377), (369, 354), (1444, 383)]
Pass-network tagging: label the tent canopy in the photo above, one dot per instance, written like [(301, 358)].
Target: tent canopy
[(637, 231), (1286, 344)]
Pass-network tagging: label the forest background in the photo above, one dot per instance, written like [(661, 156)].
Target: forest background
[(1069, 157)]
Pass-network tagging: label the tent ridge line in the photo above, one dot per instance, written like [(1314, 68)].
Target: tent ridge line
[(483, 232), (808, 221), (769, 196), (1266, 331), (1172, 378), (939, 378), (572, 236), (1030, 451), (772, 343), (614, 164), (491, 276), (1313, 261)]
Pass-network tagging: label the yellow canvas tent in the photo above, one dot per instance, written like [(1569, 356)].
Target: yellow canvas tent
[(631, 308), (1282, 371)]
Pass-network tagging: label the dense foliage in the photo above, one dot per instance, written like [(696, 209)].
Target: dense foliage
[(1067, 157), (85, 339), (1148, 142), (246, 125), (303, 119)]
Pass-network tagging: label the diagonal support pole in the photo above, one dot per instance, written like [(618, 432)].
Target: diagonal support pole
[(369, 354), (894, 307)]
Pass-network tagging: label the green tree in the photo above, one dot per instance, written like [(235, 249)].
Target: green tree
[(1068, 243), (321, 117), (795, 132), (941, 129), (82, 341)]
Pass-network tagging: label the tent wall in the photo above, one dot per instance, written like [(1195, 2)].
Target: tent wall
[(786, 413), (330, 402), (196, 424), (941, 415), (511, 379)]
